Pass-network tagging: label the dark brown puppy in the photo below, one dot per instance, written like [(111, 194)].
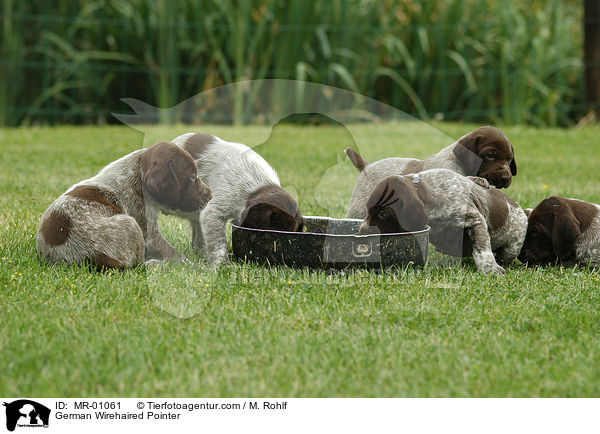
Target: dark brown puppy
[(562, 230)]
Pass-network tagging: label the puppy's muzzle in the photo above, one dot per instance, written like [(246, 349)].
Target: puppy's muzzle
[(501, 180), (365, 229)]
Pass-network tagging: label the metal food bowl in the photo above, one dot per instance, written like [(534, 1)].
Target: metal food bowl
[(329, 243)]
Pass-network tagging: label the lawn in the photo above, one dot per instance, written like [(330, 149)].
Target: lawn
[(252, 331)]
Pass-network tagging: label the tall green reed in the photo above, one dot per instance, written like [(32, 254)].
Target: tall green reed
[(508, 62)]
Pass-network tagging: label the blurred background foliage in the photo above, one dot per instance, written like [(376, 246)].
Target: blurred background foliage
[(513, 61)]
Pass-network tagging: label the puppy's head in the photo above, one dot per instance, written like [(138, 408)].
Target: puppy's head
[(553, 227), (170, 176), (273, 208), (395, 205), (487, 152)]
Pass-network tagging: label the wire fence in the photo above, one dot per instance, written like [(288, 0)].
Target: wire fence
[(503, 62)]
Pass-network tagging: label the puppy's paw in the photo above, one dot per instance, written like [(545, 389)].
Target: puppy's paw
[(152, 264), (493, 269), (181, 259), (198, 248), (217, 260), (482, 182)]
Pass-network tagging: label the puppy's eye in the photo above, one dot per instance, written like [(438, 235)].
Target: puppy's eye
[(382, 214), (490, 156), (193, 178)]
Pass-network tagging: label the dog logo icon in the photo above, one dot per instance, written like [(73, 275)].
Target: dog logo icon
[(26, 413)]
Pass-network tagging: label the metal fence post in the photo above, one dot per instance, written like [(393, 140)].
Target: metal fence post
[(592, 53)]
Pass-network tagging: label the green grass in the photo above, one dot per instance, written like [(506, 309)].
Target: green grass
[(250, 331)]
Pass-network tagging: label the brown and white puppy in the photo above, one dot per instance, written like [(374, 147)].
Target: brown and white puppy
[(485, 152), (467, 218), (245, 189), (562, 230), (112, 218)]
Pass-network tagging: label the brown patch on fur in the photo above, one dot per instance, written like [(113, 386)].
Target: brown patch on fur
[(170, 176), (359, 162), (56, 228), (498, 208), (94, 194), (414, 166), (196, 144), (585, 212), (104, 261), (271, 207)]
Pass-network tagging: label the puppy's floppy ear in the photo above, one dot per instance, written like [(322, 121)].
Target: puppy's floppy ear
[(406, 198), (565, 232), (280, 220), (466, 152), (359, 162), (513, 164), (301, 223), (413, 216), (160, 180), (257, 216)]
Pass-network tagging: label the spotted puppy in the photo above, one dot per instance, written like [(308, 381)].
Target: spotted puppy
[(562, 230), (466, 218), (245, 189), (112, 218), (485, 152)]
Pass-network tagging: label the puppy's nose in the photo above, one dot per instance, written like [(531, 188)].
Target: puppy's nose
[(364, 228), (504, 180)]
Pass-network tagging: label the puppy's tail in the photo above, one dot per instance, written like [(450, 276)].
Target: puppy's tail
[(359, 162)]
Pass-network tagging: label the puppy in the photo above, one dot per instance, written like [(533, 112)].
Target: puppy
[(562, 230), (467, 218), (485, 152), (112, 218), (245, 188)]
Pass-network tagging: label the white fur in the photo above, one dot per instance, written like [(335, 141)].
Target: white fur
[(587, 245)]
